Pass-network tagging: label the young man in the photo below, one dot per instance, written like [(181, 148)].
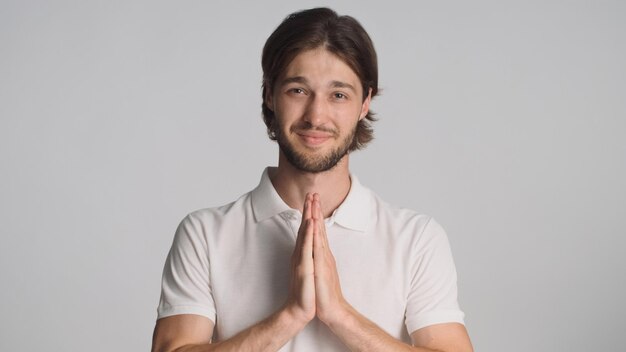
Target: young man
[(311, 260)]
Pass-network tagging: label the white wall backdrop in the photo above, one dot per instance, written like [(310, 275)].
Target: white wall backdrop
[(505, 120)]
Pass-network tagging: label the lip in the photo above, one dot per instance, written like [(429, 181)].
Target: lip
[(314, 138)]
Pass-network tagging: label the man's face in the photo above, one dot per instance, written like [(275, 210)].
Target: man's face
[(318, 102)]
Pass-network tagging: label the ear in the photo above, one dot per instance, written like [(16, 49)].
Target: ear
[(365, 108), (269, 99)]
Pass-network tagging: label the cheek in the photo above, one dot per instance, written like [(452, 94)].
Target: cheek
[(351, 112), (288, 111)]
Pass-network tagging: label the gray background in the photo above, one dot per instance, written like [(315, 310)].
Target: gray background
[(504, 120)]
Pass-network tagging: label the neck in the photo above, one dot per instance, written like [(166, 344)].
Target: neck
[(292, 184)]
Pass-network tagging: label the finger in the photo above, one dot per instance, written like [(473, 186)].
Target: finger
[(320, 235), (323, 238), (307, 246), (305, 264), (321, 224), (306, 212), (318, 245), (306, 209), (317, 207), (320, 260)]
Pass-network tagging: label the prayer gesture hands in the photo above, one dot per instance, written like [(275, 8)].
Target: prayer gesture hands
[(315, 287)]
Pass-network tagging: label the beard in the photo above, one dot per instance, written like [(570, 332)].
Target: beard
[(314, 163)]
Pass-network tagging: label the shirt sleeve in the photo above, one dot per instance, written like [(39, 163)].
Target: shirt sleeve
[(433, 294), (186, 287)]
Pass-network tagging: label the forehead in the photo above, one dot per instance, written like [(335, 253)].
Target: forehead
[(320, 65)]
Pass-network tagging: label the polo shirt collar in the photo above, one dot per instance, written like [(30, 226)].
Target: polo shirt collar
[(354, 213), (265, 200), (356, 210)]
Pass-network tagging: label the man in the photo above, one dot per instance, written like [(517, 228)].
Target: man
[(311, 260)]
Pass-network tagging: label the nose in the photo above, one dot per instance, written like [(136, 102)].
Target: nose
[(317, 111)]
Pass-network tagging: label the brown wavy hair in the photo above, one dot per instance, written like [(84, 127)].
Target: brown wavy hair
[(341, 35)]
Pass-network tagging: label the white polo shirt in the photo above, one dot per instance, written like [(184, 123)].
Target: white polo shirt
[(231, 264)]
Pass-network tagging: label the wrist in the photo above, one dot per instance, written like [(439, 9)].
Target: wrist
[(296, 316), (341, 315)]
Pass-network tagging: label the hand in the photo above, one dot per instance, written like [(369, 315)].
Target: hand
[(301, 301), (329, 301)]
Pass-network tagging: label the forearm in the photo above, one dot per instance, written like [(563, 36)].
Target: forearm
[(275, 331), (268, 335), (360, 334)]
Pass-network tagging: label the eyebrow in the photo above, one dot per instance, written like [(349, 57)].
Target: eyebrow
[(333, 84), (295, 79), (339, 84)]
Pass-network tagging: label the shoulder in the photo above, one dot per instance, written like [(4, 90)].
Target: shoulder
[(405, 222), (399, 216), (210, 219)]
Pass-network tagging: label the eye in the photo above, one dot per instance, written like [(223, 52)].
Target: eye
[(296, 90), (340, 96)]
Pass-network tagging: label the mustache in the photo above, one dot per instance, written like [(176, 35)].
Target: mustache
[(303, 127)]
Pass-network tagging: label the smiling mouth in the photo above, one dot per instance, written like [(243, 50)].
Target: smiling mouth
[(314, 139)]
